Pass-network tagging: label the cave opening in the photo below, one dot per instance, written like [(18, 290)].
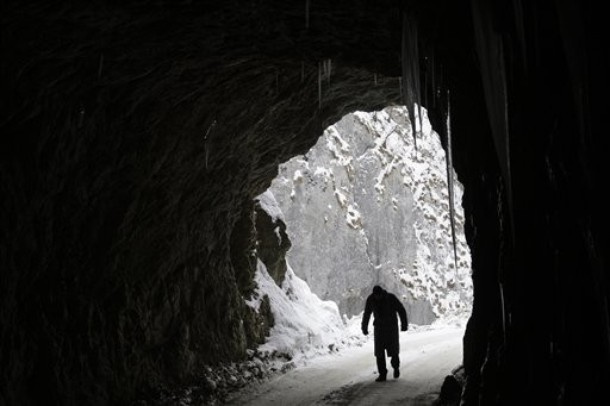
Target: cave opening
[(367, 205), (136, 136)]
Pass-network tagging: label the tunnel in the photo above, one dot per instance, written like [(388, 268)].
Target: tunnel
[(135, 136)]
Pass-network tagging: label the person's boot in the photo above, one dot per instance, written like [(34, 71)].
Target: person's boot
[(381, 378), (396, 373)]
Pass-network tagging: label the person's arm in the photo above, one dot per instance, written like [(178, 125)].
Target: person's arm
[(368, 308), (402, 313)]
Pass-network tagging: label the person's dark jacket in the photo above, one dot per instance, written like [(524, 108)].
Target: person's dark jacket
[(384, 307)]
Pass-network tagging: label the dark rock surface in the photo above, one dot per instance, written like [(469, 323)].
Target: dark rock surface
[(272, 243), (134, 136)]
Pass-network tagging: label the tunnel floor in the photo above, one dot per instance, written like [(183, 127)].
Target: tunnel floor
[(427, 355)]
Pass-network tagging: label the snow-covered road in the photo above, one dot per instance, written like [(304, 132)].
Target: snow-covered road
[(348, 378)]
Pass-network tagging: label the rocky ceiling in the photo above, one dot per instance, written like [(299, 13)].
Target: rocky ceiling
[(135, 135)]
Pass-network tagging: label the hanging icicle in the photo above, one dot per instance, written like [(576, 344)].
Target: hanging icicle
[(425, 92), (205, 143), (503, 304), (432, 64), (490, 51), (414, 43), (450, 182), (520, 28), (319, 86), (402, 97), (410, 70)]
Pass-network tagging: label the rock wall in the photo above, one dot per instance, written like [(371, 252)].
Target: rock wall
[(363, 207), (136, 134), (135, 137)]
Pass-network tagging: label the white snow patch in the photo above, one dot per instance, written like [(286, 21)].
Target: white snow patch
[(304, 324), (270, 205), (340, 198), (338, 146), (325, 173), (298, 175), (431, 275)]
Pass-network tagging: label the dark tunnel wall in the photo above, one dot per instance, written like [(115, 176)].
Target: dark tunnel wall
[(134, 138)]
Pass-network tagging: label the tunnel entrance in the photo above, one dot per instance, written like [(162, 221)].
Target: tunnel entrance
[(367, 205)]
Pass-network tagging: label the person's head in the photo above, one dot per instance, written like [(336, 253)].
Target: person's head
[(377, 290)]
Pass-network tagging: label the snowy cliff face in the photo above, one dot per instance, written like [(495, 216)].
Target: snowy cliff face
[(362, 207), (296, 320)]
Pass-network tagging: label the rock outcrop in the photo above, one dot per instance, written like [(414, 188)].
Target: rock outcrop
[(272, 242), (364, 207)]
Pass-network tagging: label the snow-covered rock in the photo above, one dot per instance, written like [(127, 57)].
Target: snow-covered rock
[(362, 207)]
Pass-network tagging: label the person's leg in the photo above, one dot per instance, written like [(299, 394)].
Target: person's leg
[(396, 364), (381, 367)]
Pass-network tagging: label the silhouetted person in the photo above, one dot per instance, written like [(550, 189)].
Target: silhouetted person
[(385, 306)]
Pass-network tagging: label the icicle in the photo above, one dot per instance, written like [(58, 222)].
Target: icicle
[(205, 142), (433, 79), (426, 91), (503, 304), (520, 28), (319, 86), (415, 76), (409, 52), (509, 170), (81, 116), (449, 161), (307, 14), (490, 50), (400, 87)]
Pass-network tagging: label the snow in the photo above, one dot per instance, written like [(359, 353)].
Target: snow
[(341, 198), (325, 173), (338, 146), (304, 325), (308, 330), (347, 377), (420, 170), (270, 205), (298, 175), (276, 230)]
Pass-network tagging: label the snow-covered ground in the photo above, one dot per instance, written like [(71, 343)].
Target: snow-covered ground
[(316, 356), (324, 359), (348, 376), (305, 325)]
